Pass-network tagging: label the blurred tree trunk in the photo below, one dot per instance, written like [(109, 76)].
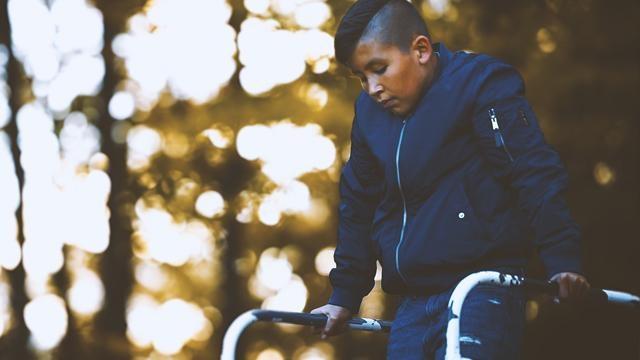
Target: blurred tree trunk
[(14, 344), (115, 265)]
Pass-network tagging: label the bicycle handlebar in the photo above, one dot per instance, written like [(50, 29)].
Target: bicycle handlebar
[(598, 296), (593, 296), (319, 320)]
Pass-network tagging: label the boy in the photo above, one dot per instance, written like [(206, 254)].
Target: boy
[(449, 174)]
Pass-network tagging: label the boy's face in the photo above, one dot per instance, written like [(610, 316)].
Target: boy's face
[(393, 78)]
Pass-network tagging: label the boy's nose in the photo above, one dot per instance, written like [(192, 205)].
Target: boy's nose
[(375, 89)]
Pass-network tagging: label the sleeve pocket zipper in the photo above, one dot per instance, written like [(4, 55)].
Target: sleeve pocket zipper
[(497, 134)]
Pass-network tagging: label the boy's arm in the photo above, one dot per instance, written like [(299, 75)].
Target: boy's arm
[(361, 184), (508, 133)]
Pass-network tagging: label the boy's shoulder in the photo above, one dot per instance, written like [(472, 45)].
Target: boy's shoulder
[(469, 61)]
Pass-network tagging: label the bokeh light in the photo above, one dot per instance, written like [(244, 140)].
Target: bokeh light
[(47, 319), (270, 354), (220, 137), (210, 204), (59, 46), (122, 105), (324, 261), (546, 43), (150, 275), (265, 68), (274, 269), (157, 57), (86, 294), (604, 174), (285, 150), (5, 304), (10, 252), (169, 241), (167, 326), (532, 310), (291, 297), (319, 351), (142, 143)]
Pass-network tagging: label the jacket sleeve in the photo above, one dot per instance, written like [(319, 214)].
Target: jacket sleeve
[(360, 188), (508, 133)]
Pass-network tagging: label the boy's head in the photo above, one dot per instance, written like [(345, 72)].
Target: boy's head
[(386, 44)]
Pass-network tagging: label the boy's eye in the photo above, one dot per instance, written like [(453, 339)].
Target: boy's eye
[(380, 70)]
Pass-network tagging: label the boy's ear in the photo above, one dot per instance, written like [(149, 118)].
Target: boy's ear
[(421, 46)]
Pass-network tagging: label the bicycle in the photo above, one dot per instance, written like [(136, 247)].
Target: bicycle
[(456, 301)]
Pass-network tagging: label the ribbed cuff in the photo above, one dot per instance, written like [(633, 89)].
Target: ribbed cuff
[(347, 299), (562, 257)]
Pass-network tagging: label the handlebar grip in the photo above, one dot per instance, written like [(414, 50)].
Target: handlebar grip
[(594, 296), (320, 320)]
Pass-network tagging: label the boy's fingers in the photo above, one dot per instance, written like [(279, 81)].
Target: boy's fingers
[(563, 288), (329, 327)]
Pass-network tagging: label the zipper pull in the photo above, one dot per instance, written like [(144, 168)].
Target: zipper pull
[(496, 129), (497, 134), (494, 119)]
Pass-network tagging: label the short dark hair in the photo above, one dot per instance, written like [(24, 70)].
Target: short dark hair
[(391, 22)]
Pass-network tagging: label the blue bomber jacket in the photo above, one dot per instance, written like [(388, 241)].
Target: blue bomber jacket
[(465, 183)]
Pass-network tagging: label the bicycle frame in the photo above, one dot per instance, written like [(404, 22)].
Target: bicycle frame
[(456, 301)]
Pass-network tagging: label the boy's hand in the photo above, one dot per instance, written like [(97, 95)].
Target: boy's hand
[(337, 318), (571, 286)]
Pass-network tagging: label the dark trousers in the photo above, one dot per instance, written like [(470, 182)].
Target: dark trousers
[(491, 325)]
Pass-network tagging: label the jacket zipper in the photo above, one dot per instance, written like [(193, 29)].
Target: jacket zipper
[(497, 134), (404, 203)]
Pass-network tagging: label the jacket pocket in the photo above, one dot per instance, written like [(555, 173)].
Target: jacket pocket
[(445, 231), (498, 133)]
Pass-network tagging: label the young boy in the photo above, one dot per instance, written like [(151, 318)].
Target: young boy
[(449, 174)]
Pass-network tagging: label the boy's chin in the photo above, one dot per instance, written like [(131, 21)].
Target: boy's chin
[(398, 112)]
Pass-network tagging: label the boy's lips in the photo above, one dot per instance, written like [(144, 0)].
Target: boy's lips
[(388, 103)]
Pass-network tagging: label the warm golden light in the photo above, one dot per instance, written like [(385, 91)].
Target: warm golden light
[(220, 138), (546, 43), (5, 305), (46, 317), (59, 45), (316, 96), (603, 174), (122, 105), (210, 204), (270, 354), (169, 241), (157, 57), (287, 151), (319, 351), (532, 310), (312, 14), (274, 270), (324, 261), (177, 322), (291, 297), (167, 326), (264, 68), (141, 317), (86, 294), (143, 142)]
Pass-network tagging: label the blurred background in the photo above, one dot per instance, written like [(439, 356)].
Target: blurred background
[(166, 165)]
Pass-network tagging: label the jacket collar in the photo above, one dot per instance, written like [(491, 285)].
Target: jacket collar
[(444, 57)]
